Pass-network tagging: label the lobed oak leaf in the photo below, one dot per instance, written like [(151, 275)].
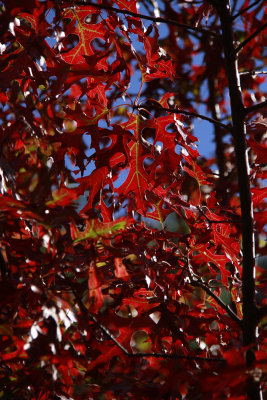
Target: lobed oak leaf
[(261, 219), (230, 246), (120, 269), (129, 5), (202, 12), (62, 197), (19, 208), (95, 229), (86, 33), (161, 209), (235, 357), (105, 357), (137, 180), (96, 296), (19, 352), (260, 149), (196, 172), (210, 255), (164, 101), (94, 183), (259, 195)]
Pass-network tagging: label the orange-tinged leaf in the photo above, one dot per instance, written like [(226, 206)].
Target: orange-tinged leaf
[(95, 229), (62, 197), (120, 269)]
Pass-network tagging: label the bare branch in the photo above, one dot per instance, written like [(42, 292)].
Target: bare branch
[(256, 107), (245, 9), (147, 17), (249, 38), (184, 112)]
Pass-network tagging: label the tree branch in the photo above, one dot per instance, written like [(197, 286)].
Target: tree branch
[(174, 356), (147, 17), (248, 39), (245, 9), (226, 308), (253, 73), (242, 164), (255, 107), (184, 112), (3, 267)]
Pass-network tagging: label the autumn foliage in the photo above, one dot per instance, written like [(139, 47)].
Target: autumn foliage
[(127, 259)]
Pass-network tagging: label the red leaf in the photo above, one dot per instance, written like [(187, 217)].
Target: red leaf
[(259, 195), (120, 269), (95, 290), (94, 183)]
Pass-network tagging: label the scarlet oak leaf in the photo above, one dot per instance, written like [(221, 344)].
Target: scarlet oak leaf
[(94, 229), (96, 296), (105, 357), (129, 5), (158, 65), (137, 180), (62, 197), (93, 183), (259, 195), (202, 12), (197, 173), (260, 150), (161, 209), (85, 32), (209, 255), (120, 269)]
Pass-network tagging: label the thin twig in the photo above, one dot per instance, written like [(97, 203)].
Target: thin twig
[(255, 107), (174, 356), (229, 311), (147, 17), (156, 355), (253, 73), (245, 9), (184, 112), (249, 38), (234, 6), (89, 315)]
